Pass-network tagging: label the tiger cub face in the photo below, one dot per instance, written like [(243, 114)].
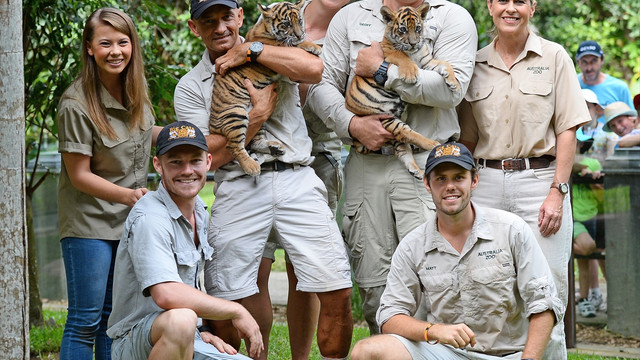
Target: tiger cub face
[(284, 22), (404, 27)]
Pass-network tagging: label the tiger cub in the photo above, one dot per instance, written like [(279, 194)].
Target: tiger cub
[(404, 46), (281, 24)]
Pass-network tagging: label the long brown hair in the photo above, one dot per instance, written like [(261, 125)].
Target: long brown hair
[(134, 82)]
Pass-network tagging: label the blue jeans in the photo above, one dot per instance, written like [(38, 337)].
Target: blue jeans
[(88, 264)]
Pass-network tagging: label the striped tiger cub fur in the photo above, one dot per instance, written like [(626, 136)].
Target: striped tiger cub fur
[(281, 24), (404, 46)]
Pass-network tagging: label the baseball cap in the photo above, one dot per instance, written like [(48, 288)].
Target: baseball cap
[(589, 47), (179, 133), (615, 109), (199, 6), (452, 152), (636, 101), (590, 97)]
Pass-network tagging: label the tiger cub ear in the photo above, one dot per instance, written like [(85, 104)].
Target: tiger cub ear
[(387, 14), (263, 9), (300, 3), (424, 9)]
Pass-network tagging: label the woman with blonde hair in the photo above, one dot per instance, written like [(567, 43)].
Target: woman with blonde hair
[(519, 118), (105, 130)]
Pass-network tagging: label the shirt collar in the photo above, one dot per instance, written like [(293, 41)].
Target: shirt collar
[(109, 101), (209, 68), (481, 230), (489, 54), (172, 208)]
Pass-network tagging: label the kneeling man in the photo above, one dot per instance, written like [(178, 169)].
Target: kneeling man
[(489, 287), (156, 300)]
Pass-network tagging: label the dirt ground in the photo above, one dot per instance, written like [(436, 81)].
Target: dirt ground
[(598, 334)]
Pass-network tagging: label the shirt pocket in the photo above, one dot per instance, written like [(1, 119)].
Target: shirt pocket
[(494, 285), (537, 102), (353, 236), (483, 108), (188, 265), (359, 40), (188, 258), (438, 288)]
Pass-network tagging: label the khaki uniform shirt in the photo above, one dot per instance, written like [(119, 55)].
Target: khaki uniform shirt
[(450, 32), (157, 246), (192, 102), (498, 281), (123, 161), (517, 112)]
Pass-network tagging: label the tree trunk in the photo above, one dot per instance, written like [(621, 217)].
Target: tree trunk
[(35, 302), (14, 322)]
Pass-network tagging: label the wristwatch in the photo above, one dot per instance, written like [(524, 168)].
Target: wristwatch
[(255, 49), (562, 187), (380, 76)]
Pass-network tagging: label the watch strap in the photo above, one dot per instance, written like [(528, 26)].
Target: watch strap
[(380, 76)]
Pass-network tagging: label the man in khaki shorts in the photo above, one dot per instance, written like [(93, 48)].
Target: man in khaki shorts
[(287, 199), (383, 202), (490, 289)]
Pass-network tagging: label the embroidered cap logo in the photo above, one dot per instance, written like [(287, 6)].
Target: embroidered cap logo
[(447, 150), (182, 132)]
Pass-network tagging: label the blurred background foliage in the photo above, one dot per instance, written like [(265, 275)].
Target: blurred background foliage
[(52, 30)]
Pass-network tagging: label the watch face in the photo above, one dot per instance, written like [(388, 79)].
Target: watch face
[(564, 188), (256, 46)]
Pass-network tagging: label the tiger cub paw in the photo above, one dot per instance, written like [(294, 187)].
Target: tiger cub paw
[(275, 148), (310, 47), (250, 167), (450, 78), (417, 173), (408, 74)]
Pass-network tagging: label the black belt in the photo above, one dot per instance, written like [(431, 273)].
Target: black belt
[(276, 165), (388, 150), (518, 164)]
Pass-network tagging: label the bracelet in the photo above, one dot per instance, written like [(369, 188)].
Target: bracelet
[(426, 335)]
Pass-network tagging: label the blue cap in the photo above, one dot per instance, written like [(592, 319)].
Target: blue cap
[(589, 47)]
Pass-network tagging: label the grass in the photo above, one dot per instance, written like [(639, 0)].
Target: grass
[(45, 340), (206, 194)]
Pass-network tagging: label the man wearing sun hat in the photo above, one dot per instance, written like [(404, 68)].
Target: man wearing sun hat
[(156, 300), (590, 59), (481, 270)]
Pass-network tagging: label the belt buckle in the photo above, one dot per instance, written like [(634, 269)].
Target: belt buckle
[(511, 167), (386, 150), (279, 166)]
